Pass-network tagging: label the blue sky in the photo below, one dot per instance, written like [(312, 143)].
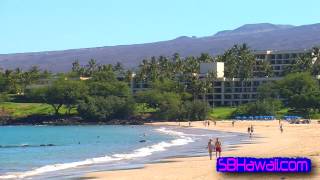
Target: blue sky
[(40, 25)]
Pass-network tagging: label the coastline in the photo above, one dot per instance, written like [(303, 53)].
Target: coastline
[(65, 121), (297, 140), (181, 141)]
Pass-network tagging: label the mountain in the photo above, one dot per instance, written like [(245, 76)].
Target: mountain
[(253, 28), (258, 36)]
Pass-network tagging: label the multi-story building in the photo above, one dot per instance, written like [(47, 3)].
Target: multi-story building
[(236, 91), (279, 60)]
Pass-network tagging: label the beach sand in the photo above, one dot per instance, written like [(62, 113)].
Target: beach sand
[(297, 140)]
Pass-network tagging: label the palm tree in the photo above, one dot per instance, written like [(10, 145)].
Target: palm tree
[(129, 75), (143, 70), (205, 57), (315, 53), (76, 66), (303, 63), (118, 67), (154, 69), (230, 60), (91, 67), (263, 69)]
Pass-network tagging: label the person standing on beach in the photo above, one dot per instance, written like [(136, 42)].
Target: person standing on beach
[(208, 123), (232, 123), (217, 145), (210, 148), (281, 128), (249, 131), (189, 123)]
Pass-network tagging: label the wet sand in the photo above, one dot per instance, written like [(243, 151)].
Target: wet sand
[(297, 140)]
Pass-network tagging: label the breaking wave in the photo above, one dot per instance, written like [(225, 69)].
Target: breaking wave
[(182, 139)]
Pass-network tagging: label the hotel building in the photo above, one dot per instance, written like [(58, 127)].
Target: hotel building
[(235, 91)]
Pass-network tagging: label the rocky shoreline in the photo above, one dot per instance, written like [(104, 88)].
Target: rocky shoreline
[(66, 120)]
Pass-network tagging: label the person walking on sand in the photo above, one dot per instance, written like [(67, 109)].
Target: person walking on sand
[(208, 123), (189, 123), (210, 148), (214, 122), (249, 131), (232, 123), (281, 128), (217, 145)]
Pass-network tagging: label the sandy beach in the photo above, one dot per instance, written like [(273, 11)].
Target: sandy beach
[(301, 140)]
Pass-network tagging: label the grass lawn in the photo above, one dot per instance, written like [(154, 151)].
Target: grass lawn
[(26, 109), (142, 108), (282, 112), (222, 112)]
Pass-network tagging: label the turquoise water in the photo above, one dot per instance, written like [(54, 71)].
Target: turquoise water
[(47, 151)]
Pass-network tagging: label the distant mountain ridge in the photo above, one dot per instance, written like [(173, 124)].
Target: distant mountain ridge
[(253, 28), (261, 36)]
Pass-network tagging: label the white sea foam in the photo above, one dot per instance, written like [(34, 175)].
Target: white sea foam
[(170, 132), (182, 139), (181, 134)]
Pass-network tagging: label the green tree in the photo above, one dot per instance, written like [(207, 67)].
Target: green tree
[(61, 92), (268, 90), (119, 68), (74, 91), (4, 83), (261, 108), (296, 84), (91, 67), (105, 89), (105, 108), (263, 69), (303, 63), (298, 87), (196, 110), (169, 105), (239, 62)]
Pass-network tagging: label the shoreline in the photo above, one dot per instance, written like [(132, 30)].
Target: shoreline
[(74, 121), (296, 140), (174, 139)]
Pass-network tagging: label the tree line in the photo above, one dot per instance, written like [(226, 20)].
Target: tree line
[(176, 91)]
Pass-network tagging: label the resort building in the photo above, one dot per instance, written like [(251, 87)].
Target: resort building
[(235, 91), (279, 60)]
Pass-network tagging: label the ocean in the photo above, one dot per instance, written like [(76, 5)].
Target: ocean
[(66, 152)]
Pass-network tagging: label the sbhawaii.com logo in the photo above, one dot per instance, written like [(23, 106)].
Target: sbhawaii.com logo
[(276, 164)]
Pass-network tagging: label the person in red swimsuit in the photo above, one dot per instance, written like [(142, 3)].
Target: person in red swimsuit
[(217, 144)]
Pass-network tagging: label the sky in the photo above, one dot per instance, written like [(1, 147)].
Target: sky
[(44, 25)]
